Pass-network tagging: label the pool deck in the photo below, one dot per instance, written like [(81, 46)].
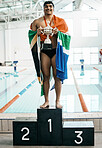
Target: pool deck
[(6, 119)]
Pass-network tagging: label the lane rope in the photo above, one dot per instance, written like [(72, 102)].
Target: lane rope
[(97, 69), (83, 105), (17, 96)]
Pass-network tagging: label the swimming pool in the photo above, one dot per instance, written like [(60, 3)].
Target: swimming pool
[(26, 85)]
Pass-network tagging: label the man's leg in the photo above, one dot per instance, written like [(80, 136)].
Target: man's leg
[(45, 67), (57, 83)]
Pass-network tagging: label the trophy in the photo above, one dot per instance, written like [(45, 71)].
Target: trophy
[(48, 31)]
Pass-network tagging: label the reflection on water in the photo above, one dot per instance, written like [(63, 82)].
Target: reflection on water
[(89, 82), (90, 85)]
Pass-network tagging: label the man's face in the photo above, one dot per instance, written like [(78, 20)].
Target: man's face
[(48, 9)]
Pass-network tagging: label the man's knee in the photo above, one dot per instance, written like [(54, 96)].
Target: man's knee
[(56, 79), (46, 78)]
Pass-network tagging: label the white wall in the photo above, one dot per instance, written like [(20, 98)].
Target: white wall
[(16, 37), (16, 43), (2, 45), (78, 40)]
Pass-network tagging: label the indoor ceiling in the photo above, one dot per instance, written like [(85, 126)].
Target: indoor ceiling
[(18, 10)]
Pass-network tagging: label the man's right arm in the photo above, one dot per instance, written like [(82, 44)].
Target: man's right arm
[(34, 25)]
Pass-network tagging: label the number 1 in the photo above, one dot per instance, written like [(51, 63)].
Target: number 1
[(50, 125)]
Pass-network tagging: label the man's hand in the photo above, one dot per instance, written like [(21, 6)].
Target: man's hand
[(54, 31), (39, 30)]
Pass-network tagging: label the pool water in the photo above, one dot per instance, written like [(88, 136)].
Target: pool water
[(89, 83)]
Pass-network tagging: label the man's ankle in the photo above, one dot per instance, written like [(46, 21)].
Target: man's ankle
[(47, 101), (57, 100)]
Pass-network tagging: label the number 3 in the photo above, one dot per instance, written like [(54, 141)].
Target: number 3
[(27, 133), (81, 139)]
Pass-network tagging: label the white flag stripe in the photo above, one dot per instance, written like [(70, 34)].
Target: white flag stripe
[(64, 50)]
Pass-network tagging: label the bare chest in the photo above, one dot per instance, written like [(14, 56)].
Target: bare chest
[(43, 24)]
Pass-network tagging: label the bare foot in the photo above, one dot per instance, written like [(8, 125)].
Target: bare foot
[(45, 105), (58, 105)]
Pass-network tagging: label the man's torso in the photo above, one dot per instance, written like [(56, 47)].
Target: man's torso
[(41, 22)]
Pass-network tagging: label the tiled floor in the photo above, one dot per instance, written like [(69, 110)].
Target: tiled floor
[(6, 141)]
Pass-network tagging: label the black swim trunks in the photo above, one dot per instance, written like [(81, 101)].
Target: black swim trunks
[(50, 53)]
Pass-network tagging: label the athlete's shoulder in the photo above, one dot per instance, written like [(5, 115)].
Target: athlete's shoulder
[(34, 25), (36, 21), (39, 20), (59, 18)]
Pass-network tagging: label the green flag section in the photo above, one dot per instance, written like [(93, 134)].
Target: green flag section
[(62, 54), (31, 35), (64, 40), (34, 49)]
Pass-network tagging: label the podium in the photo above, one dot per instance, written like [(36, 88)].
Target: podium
[(48, 130), (49, 126), (25, 131), (78, 133)]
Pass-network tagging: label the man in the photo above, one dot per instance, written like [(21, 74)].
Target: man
[(48, 57)]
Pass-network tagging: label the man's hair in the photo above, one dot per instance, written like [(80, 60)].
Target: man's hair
[(48, 2)]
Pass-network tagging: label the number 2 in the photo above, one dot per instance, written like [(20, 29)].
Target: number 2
[(27, 133), (81, 139)]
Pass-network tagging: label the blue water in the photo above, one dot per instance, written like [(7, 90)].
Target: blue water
[(89, 81)]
